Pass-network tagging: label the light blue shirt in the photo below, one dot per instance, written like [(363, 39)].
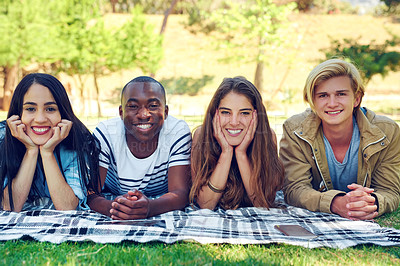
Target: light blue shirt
[(345, 173), (70, 169)]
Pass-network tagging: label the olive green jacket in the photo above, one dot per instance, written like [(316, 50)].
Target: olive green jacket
[(307, 180)]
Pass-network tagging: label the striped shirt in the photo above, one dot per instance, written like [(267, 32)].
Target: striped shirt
[(149, 175)]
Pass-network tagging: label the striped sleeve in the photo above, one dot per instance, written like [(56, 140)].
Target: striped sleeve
[(181, 146), (106, 156)]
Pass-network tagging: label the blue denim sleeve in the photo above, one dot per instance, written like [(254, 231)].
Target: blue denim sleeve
[(5, 182), (2, 134), (69, 161)]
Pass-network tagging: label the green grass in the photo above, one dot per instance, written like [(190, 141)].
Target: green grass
[(390, 220), (126, 253)]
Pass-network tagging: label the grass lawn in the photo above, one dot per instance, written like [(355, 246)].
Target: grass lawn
[(32, 252)]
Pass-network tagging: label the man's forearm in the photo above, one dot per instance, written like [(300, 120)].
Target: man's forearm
[(168, 202), (100, 204)]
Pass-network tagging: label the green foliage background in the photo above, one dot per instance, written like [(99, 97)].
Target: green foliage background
[(371, 59)]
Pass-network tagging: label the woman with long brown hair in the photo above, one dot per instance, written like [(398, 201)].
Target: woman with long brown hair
[(234, 153)]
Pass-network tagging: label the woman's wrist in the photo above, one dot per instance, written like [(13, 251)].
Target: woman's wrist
[(46, 154), (240, 154), (32, 151), (214, 188), (226, 153)]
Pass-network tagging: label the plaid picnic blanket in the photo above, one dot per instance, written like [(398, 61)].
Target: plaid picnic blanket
[(242, 226)]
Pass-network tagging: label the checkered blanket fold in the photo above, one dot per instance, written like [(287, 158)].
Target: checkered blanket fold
[(242, 226)]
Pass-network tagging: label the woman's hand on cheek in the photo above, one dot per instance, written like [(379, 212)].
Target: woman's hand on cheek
[(60, 132), (219, 135), (18, 131), (248, 138)]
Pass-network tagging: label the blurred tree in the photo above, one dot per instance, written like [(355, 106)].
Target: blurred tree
[(100, 44), (78, 20), (70, 36), (166, 15), (138, 44), (393, 6), (113, 5), (28, 32), (254, 24), (120, 6), (392, 3), (371, 59), (149, 6), (97, 50), (304, 5), (199, 13)]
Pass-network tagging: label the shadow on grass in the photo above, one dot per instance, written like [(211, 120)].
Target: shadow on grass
[(173, 86), (115, 97), (186, 85), (390, 219)]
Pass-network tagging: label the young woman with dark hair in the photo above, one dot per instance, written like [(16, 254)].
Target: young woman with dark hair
[(234, 153), (47, 152)]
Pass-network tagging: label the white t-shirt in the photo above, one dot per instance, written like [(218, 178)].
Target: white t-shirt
[(149, 175)]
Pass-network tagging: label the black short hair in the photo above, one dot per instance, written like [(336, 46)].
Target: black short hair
[(146, 79)]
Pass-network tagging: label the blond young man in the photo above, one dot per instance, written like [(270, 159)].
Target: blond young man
[(340, 158)]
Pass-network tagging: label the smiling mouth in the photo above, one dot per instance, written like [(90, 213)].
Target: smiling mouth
[(333, 112), (234, 131), (144, 126), (40, 130)]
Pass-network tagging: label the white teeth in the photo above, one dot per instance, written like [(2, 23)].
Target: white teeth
[(144, 126), (41, 129), (233, 132), (333, 113)]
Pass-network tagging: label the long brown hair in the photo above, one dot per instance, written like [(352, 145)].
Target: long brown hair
[(267, 169)]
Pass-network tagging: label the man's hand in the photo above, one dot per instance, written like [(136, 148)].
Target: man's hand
[(133, 205), (361, 204), (358, 204)]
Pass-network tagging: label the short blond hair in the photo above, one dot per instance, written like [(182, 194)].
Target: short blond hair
[(330, 69)]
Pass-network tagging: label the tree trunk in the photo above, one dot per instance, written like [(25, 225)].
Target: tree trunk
[(96, 85), (164, 23), (258, 78), (113, 4), (166, 14), (280, 86), (10, 78), (82, 95)]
